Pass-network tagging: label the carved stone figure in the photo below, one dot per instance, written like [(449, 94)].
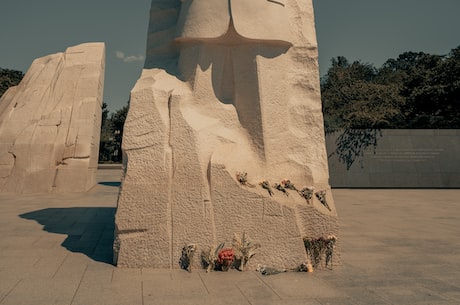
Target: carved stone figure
[(257, 19), (228, 87)]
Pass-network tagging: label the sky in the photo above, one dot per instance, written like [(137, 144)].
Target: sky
[(371, 31)]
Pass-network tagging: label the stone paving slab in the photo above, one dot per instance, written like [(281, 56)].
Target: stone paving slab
[(398, 247)]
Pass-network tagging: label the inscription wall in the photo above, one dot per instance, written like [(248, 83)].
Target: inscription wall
[(403, 158)]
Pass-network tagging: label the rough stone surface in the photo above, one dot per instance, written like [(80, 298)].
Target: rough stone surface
[(219, 96), (50, 123)]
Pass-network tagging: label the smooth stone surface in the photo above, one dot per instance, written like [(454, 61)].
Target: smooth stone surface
[(403, 158)]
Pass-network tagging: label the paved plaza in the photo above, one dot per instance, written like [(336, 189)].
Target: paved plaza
[(398, 247)]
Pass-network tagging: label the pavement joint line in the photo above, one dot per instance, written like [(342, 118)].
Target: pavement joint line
[(113, 274), (204, 284), (60, 265), (142, 291), (37, 261), (242, 293), (37, 241), (11, 290), (258, 275), (79, 284)]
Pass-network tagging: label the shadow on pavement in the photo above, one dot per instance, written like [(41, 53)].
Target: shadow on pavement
[(89, 230), (111, 183)]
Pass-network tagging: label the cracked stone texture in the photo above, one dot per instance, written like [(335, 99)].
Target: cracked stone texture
[(50, 123), (211, 103)]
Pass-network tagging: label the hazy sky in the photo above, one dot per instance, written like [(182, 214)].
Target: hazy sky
[(368, 30)]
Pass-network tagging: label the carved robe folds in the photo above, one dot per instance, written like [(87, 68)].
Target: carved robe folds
[(254, 19)]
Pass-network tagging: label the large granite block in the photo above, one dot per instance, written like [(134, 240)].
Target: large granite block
[(50, 123)]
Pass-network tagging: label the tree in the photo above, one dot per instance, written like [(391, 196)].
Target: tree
[(358, 103), (9, 78), (118, 122), (430, 86), (449, 88), (354, 96), (112, 134), (415, 90), (106, 133)]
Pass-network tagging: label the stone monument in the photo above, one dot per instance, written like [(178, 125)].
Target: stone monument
[(50, 123), (225, 135)]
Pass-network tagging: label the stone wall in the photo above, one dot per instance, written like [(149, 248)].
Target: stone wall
[(423, 158)]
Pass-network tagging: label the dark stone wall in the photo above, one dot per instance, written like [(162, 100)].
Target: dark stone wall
[(403, 158)]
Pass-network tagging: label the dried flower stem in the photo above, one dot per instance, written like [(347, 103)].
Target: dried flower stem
[(280, 188), (209, 257), (321, 195), (286, 183), (186, 259), (307, 193), (317, 248), (244, 249), (242, 178), (266, 185)]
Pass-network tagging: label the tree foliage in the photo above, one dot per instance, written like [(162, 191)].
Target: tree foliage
[(112, 135), (415, 90), (9, 78), (354, 98), (430, 84)]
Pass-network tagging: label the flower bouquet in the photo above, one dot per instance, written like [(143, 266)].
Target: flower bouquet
[(244, 250), (321, 195), (225, 258), (307, 193), (209, 257)]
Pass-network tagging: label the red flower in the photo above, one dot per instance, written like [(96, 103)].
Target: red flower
[(226, 257)]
